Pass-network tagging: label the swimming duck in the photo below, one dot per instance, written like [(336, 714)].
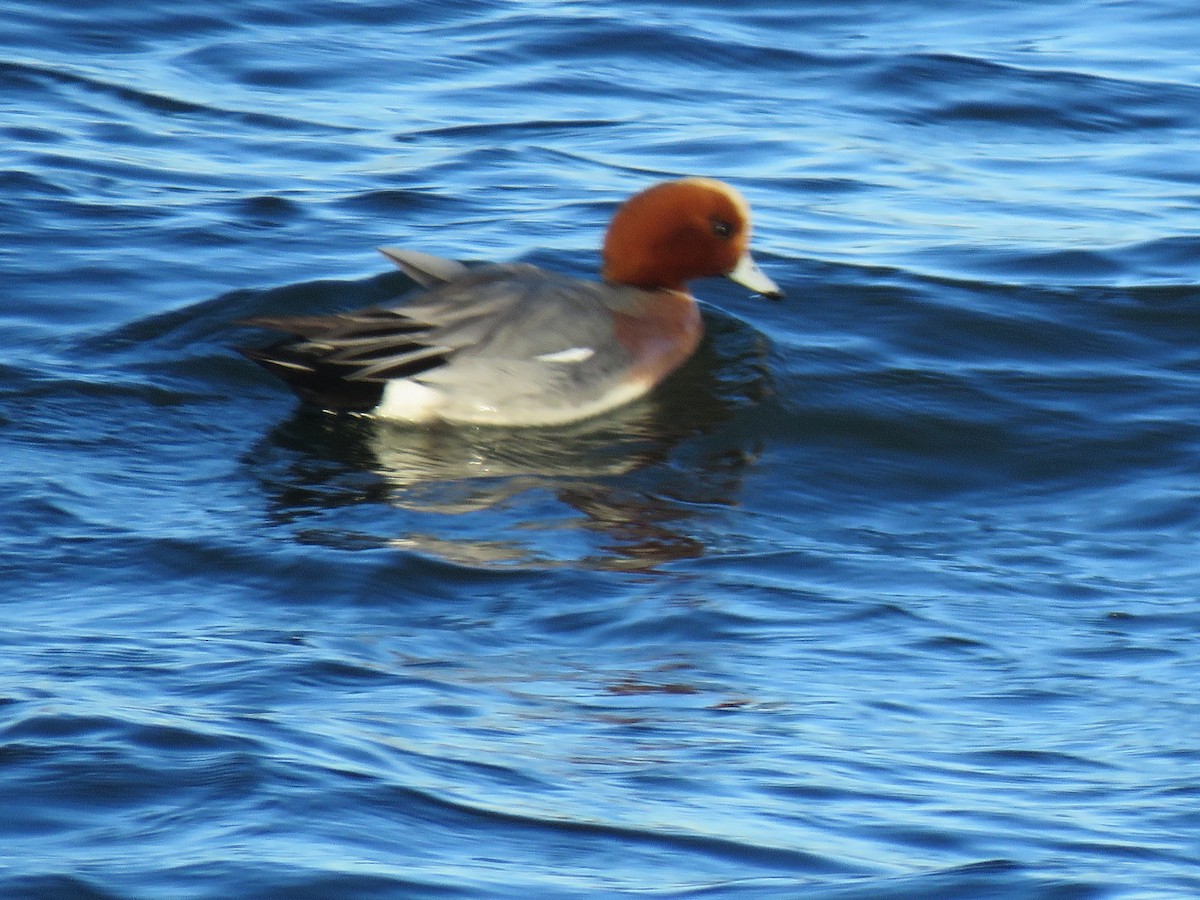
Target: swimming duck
[(513, 344)]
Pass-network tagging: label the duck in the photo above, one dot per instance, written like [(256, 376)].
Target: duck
[(511, 344)]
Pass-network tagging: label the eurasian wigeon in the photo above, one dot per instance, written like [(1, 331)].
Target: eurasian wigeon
[(516, 345)]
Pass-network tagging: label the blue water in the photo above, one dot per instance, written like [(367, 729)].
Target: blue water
[(892, 592)]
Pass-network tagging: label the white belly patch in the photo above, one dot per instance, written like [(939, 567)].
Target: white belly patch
[(409, 401)]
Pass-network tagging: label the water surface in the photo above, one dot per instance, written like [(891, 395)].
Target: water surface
[(890, 592)]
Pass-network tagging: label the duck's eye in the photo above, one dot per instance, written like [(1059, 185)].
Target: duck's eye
[(722, 228)]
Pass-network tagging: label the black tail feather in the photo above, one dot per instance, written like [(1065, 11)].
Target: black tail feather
[(319, 384)]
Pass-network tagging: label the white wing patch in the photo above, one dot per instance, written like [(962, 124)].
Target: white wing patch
[(571, 355)]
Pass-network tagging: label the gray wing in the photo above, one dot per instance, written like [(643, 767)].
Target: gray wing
[(525, 342), (425, 269), (497, 334)]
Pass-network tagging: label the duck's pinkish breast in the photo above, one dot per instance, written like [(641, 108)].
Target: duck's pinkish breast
[(661, 336)]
